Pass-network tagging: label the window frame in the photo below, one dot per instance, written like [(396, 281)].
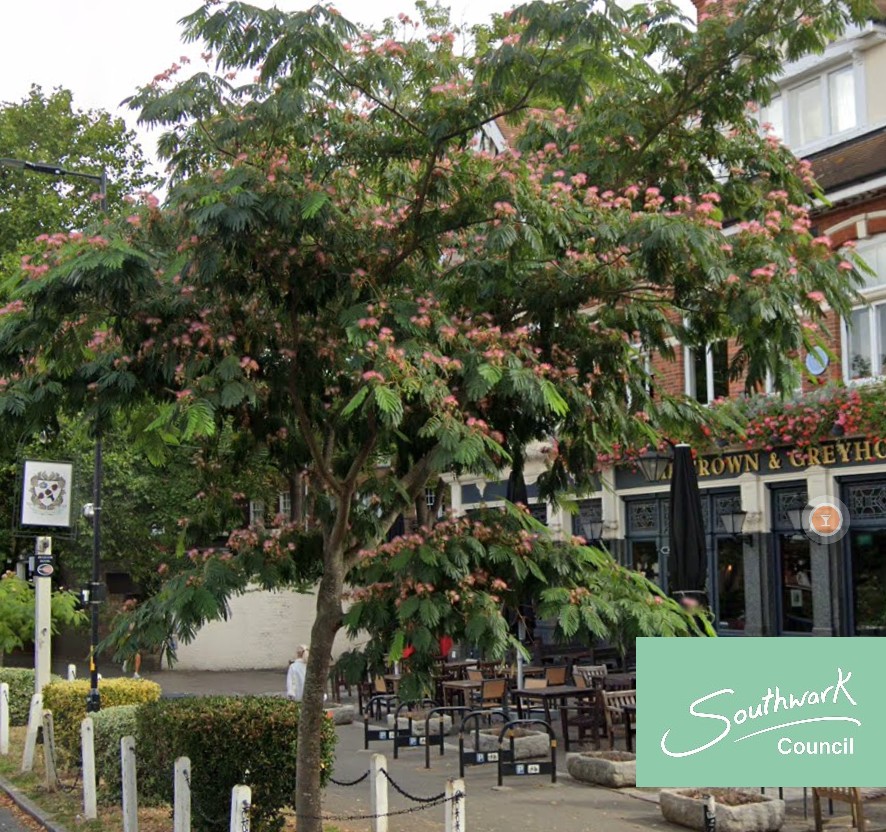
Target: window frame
[(875, 299), (788, 92), (690, 378)]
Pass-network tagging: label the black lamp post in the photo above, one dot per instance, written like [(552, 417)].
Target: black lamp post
[(93, 509)]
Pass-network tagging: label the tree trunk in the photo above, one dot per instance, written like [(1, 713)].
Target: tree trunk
[(308, 796)]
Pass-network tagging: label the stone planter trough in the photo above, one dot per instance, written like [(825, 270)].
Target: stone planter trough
[(418, 724), (765, 814), (342, 713), (614, 769), (527, 745)]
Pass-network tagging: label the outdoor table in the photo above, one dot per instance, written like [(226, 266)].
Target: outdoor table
[(630, 717), (462, 687), (458, 668), (549, 694)]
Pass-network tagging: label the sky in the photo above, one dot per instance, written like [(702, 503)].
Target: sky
[(102, 50)]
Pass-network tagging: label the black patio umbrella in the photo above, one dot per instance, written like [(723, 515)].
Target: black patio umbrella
[(688, 558)]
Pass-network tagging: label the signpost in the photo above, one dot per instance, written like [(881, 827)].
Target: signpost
[(42, 612)]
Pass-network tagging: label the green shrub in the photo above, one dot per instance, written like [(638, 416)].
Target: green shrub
[(229, 740), (111, 725), (67, 701), (21, 689)]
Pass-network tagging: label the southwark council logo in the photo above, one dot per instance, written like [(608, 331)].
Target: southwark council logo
[(753, 712)]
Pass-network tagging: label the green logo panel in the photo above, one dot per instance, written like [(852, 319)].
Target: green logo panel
[(756, 712)]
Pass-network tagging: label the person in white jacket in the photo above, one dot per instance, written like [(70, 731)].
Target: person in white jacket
[(295, 677)]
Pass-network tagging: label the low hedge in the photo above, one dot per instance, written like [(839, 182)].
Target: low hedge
[(111, 725), (21, 689), (67, 701), (229, 740)]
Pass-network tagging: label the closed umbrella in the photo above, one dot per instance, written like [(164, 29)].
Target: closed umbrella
[(688, 558)]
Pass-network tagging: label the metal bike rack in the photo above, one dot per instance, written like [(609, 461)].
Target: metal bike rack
[(403, 736), (475, 757), (511, 767), (376, 734), (438, 739)]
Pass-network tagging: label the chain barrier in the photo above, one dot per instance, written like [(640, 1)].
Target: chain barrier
[(456, 812), (196, 806), (73, 786), (435, 799), (360, 779), (429, 804)]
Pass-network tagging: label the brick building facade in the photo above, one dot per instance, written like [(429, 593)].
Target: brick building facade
[(774, 580)]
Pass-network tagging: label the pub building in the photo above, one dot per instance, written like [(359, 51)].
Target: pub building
[(765, 576)]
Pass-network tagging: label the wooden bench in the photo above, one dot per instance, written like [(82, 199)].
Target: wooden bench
[(613, 702), (841, 794)]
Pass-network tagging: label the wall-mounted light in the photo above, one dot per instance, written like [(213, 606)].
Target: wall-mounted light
[(654, 465), (795, 518), (593, 530), (733, 524)]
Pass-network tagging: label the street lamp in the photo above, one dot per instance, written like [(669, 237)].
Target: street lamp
[(93, 595)]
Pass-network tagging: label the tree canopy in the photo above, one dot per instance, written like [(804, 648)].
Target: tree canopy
[(48, 128), (356, 272)]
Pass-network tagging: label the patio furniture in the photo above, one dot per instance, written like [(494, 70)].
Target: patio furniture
[(474, 674), (382, 695), (613, 709), (555, 675), (524, 703), (461, 688), (850, 795), (590, 671), (583, 714), (550, 696), (491, 695)]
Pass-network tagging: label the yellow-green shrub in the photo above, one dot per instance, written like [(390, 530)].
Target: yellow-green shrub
[(67, 701)]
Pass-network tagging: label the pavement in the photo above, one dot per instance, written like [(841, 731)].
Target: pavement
[(530, 802)]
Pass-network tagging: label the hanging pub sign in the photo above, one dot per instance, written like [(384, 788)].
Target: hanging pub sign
[(47, 493)]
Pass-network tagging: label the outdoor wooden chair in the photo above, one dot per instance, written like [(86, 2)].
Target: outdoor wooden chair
[(590, 672), (491, 695), (555, 675), (383, 697), (613, 701), (474, 674), (527, 705), (850, 795), (583, 714)]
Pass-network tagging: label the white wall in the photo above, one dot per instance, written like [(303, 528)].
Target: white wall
[(261, 633)]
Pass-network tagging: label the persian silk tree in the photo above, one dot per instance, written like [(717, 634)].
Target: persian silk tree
[(352, 272)]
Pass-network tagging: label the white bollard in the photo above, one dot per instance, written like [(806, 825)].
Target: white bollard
[(130, 791), (455, 806), (4, 718), (241, 801), (49, 761), (87, 744), (35, 719), (378, 793), (181, 812), (72, 672)]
